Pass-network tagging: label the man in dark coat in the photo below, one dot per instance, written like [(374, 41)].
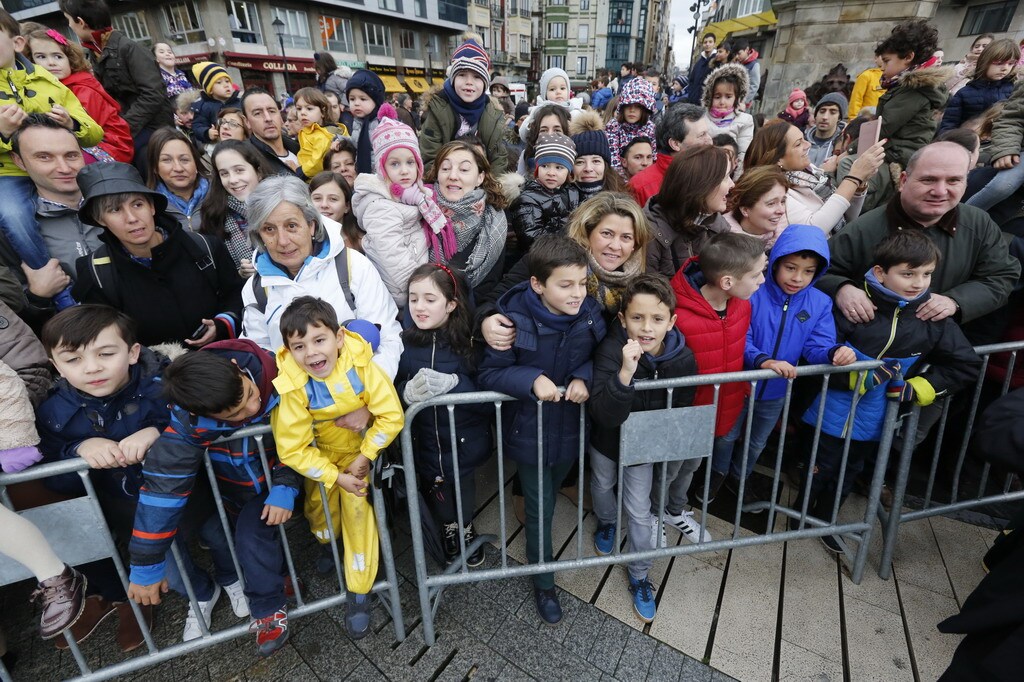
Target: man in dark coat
[(701, 68)]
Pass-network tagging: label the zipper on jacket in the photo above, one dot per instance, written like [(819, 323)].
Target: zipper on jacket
[(437, 430), (778, 342), (889, 342)]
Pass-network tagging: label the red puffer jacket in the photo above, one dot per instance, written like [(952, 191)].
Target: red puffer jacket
[(717, 344), (104, 109)]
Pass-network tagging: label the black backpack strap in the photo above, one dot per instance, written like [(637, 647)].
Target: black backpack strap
[(261, 293), (104, 272), (199, 250)]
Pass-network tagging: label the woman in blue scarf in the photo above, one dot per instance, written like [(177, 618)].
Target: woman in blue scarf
[(176, 172)]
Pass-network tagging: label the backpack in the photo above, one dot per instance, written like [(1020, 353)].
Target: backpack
[(344, 278), (194, 244)]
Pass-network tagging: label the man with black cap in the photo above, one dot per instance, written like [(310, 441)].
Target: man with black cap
[(829, 122)]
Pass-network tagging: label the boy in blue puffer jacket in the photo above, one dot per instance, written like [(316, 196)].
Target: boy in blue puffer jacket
[(897, 285), (790, 320), (558, 326)]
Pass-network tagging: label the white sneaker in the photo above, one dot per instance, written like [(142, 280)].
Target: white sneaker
[(192, 629), (239, 604), (654, 533), (690, 529)]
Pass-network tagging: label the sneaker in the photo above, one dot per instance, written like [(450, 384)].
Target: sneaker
[(192, 629), (357, 615), (548, 608), (450, 540), (289, 587), (604, 539), (643, 599), (271, 632), (63, 599), (690, 529), (654, 534), (239, 604), (325, 560), (885, 497), (716, 484), (831, 543), (477, 557), (95, 610)]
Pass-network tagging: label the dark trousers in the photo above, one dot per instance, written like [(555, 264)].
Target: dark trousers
[(261, 557), (552, 479), (444, 506), (824, 485)]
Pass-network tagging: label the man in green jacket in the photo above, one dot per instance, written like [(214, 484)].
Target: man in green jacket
[(976, 273)]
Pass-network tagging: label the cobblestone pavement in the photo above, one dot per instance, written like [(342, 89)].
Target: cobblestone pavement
[(488, 631)]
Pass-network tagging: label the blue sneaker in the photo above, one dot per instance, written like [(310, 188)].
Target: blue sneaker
[(357, 615), (547, 605), (643, 599), (604, 539)]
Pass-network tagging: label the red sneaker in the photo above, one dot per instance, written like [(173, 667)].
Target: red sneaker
[(271, 632), (289, 587)]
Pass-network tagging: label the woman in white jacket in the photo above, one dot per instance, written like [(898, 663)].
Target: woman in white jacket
[(812, 199), (301, 253)]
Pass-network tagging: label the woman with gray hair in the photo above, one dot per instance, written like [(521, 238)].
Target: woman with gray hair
[(302, 253)]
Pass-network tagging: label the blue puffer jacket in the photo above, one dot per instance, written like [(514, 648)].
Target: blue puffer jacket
[(791, 326), (895, 335), (431, 434), (972, 100), (206, 109), (540, 349), (599, 100), (69, 417)]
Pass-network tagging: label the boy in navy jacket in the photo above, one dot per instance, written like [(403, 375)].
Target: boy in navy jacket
[(214, 392), (557, 329), (897, 285), (107, 409), (790, 320)]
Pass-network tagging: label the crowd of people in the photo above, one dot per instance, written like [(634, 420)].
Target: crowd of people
[(192, 259)]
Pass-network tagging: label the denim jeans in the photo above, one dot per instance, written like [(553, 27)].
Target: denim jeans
[(553, 477), (212, 534), (727, 459), (998, 188), (636, 495)]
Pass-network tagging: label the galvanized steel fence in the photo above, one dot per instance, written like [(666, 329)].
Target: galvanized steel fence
[(88, 515)]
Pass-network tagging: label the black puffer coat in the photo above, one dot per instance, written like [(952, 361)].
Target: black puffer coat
[(538, 211)]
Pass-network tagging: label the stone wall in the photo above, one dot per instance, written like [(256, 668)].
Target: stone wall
[(812, 37)]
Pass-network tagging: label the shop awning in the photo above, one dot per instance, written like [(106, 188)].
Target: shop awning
[(391, 84), (723, 28), (416, 84)]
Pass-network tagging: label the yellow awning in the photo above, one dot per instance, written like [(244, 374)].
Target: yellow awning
[(416, 83), (723, 28), (391, 84)]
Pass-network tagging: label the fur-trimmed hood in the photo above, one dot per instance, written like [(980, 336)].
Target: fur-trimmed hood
[(511, 186), (431, 93), (735, 72), (931, 77)]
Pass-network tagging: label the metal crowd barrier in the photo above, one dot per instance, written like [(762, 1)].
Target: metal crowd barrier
[(915, 429), (672, 434), (87, 511)]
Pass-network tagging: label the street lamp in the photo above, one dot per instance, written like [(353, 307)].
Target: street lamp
[(279, 30)]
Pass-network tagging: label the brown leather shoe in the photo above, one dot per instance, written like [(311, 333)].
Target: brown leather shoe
[(129, 634), (63, 598), (95, 611)]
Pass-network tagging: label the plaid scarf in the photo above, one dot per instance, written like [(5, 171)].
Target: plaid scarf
[(479, 229)]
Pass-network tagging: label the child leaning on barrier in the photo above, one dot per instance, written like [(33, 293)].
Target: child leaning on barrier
[(214, 392), (790, 320), (439, 358), (897, 284), (325, 372), (107, 409), (558, 326), (713, 293), (643, 344)]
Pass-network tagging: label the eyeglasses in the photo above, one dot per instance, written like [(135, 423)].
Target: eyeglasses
[(230, 124)]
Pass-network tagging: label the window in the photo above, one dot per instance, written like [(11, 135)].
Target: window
[(244, 22), (392, 5), (584, 5), (524, 45), (485, 36), (452, 10), (410, 43), (421, 8), (184, 25), (618, 51), (992, 17), (296, 27), (434, 44), (620, 18), (555, 61), (746, 7), (584, 33), (336, 34), (556, 2), (377, 38), (556, 29), (133, 25), (581, 66)]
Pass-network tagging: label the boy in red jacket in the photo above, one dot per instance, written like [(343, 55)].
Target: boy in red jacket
[(713, 293)]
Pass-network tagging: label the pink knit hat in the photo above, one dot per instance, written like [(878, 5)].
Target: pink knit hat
[(391, 134)]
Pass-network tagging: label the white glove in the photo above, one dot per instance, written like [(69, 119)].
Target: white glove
[(427, 384)]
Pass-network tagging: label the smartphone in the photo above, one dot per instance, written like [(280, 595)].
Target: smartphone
[(198, 333), (869, 134)]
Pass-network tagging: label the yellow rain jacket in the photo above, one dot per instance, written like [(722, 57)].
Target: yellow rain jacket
[(314, 143), (309, 442)]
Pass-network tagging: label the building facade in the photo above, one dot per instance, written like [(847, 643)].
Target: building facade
[(506, 29), (407, 42)]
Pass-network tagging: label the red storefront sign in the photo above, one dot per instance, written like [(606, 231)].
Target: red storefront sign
[(257, 62), (184, 59)]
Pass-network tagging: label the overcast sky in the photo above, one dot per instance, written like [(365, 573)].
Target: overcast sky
[(681, 19)]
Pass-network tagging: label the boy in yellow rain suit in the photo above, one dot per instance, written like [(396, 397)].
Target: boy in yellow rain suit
[(325, 372)]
